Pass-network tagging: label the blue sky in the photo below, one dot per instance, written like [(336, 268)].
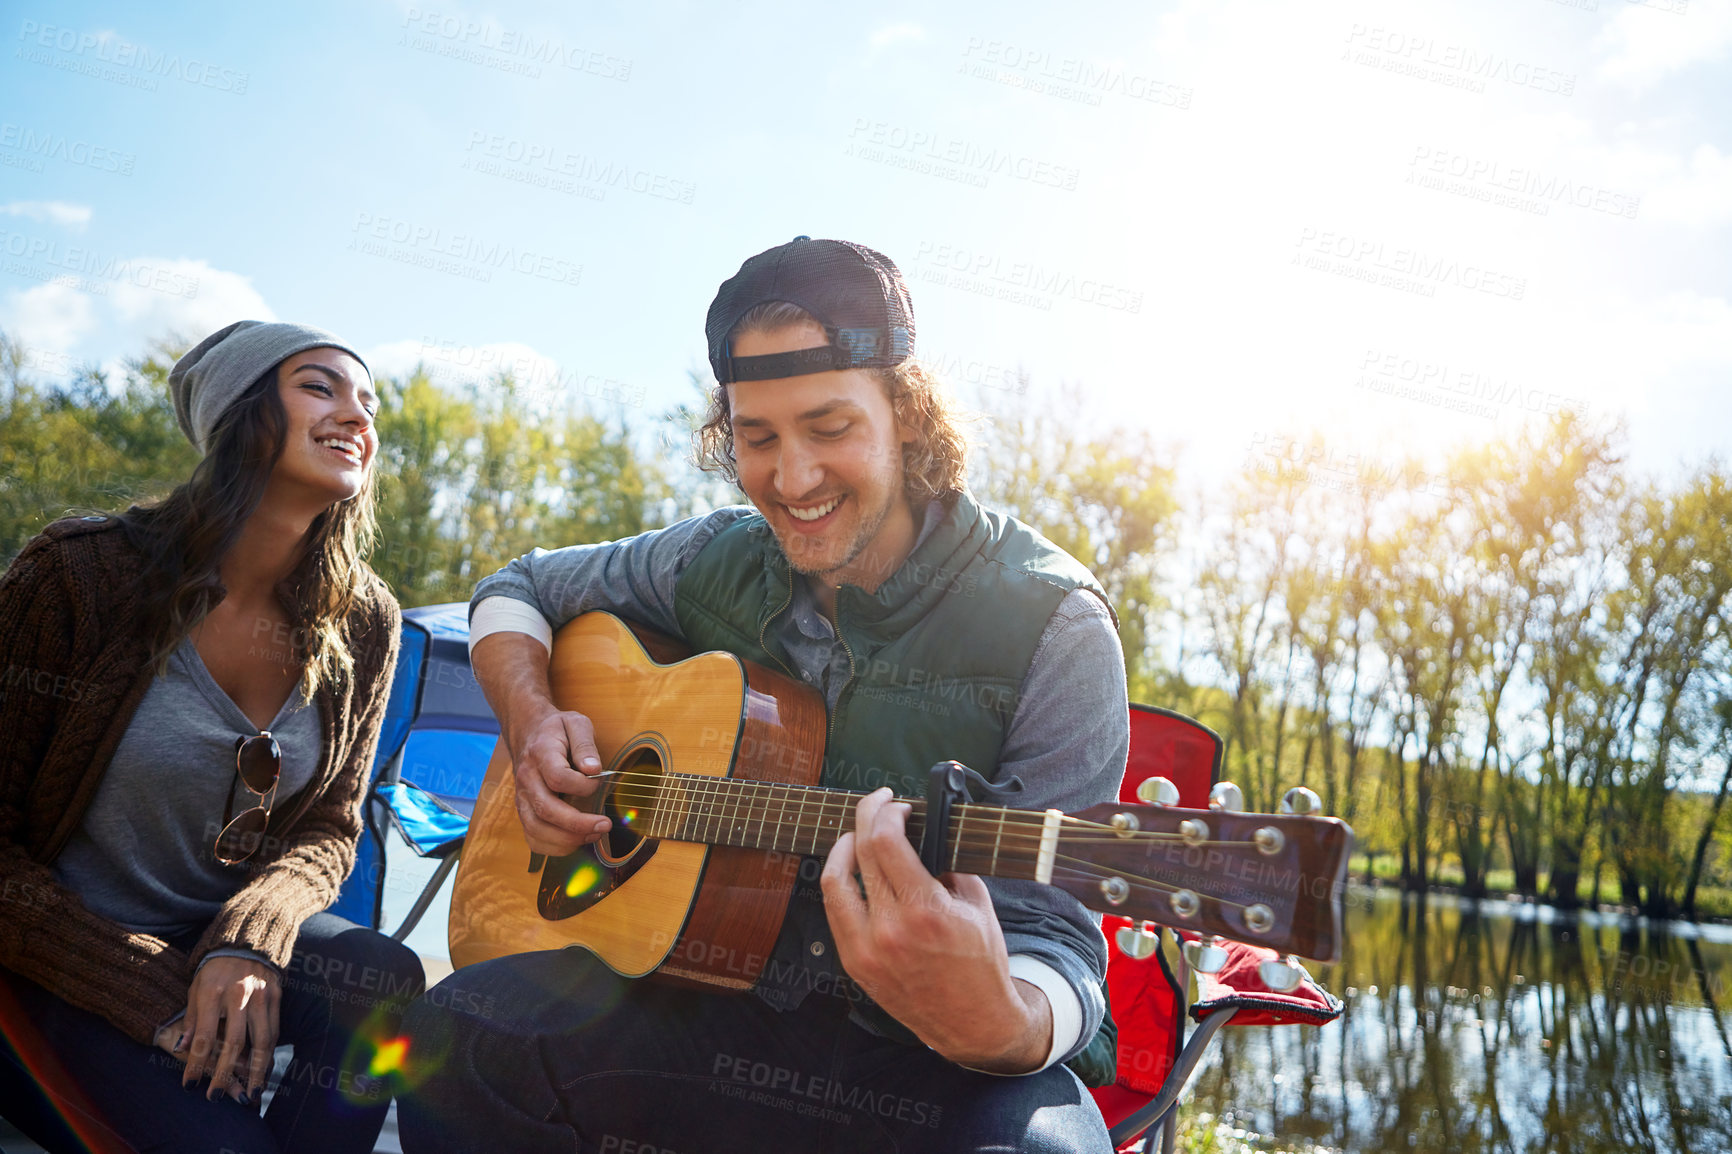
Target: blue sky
[(1401, 224)]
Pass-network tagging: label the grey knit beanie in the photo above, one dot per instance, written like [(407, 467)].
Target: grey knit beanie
[(210, 378)]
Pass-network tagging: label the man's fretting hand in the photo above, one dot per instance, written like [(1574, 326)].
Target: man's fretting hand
[(930, 950)]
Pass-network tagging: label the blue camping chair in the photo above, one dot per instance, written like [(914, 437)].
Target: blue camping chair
[(437, 738)]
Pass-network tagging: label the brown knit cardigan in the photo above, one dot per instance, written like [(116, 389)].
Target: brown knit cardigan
[(77, 664)]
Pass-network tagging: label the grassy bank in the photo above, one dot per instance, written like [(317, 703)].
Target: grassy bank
[(1713, 903), (1203, 1133)]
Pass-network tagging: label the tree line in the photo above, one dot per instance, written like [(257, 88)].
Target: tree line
[(1509, 668)]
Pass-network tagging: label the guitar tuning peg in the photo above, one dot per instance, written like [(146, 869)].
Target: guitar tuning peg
[(1204, 955), (1282, 975), (1224, 795), (1301, 802), (1137, 941), (1157, 791)]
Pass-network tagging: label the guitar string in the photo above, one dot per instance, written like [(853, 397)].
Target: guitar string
[(658, 787), (833, 814), (837, 810), (1138, 881), (741, 802), (1073, 868), (655, 788)]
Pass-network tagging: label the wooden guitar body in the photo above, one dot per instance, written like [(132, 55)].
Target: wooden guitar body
[(689, 912)]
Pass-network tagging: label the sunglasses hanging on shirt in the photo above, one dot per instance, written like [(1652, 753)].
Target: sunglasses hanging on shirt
[(259, 764)]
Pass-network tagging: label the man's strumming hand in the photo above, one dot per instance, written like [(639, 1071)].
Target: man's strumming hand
[(552, 750)]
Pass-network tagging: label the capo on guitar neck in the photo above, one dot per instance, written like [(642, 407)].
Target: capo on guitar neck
[(949, 783)]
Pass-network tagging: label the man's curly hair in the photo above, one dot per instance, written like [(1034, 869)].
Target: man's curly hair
[(933, 463)]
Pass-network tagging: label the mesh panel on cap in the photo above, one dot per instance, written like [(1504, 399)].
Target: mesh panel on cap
[(854, 291)]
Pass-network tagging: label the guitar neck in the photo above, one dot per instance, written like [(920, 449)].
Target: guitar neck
[(981, 839), (1270, 879)]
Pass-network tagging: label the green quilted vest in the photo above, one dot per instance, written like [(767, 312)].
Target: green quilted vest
[(938, 652)]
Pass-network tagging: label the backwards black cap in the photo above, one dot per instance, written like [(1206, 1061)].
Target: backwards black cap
[(856, 293)]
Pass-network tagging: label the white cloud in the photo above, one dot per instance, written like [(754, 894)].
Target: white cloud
[(104, 319), (540, 380), (73, 216), (187, 298), (1698, 192), (1645, 43), (541, 383), (891, 34), (1649, 357), (451, 363), (51, 318), (1684, 329)]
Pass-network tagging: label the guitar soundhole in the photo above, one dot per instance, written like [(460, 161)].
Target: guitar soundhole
[(577, 881), (629, 800)]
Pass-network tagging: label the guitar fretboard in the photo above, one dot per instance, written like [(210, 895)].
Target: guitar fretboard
[(981, 839)]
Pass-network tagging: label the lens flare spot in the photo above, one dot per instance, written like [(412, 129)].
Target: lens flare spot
[(583, 879), (628, 816), (388, 1058)]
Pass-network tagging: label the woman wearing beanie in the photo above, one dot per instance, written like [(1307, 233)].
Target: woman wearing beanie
[(191, 704)]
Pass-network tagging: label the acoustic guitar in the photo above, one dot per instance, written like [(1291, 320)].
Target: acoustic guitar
[(710, 773)]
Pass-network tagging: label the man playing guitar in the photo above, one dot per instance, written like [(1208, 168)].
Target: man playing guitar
[(899, 1011)]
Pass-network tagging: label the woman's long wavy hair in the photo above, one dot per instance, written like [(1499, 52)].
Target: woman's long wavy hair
[(184, 536), (933, 464)]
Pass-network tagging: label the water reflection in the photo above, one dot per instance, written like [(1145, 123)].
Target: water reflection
[(1496, 1027)]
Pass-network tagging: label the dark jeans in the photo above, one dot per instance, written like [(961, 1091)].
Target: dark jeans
[(72, 1081), (553, 1052)]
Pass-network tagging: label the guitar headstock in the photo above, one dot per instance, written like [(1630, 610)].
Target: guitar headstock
[(1272, 880)]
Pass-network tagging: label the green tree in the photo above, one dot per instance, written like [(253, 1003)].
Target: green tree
[(1106, 498)]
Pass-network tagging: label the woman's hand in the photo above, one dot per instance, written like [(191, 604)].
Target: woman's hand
[(233, 1003)]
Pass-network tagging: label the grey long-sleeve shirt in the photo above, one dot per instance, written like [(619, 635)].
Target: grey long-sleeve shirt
[(1067, 741)]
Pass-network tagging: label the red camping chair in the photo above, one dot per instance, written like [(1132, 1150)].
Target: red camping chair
[(1155, 1059)]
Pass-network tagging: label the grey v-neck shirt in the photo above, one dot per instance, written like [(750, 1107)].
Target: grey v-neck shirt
[(144, 854)]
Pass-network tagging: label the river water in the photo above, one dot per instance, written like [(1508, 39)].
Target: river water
[(1495, 1026)]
